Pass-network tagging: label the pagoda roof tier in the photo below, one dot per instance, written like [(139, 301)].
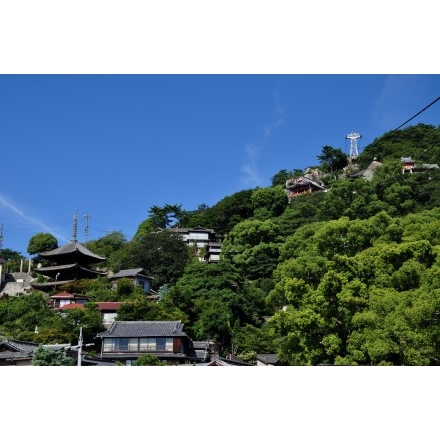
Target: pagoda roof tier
[(49, 285), (68, 272), (72, 252)]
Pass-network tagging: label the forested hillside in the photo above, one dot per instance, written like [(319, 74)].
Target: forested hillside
[(346, 276)]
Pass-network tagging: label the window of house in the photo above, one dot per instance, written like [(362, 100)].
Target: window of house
[(155, 344), (125, 344), (160, 344), (107, 344), (147, 344), (164, 344)]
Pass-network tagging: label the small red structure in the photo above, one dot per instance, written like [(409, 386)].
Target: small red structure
[(408, 164)]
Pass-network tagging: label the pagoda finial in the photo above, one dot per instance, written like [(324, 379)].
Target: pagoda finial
[(75, 225)]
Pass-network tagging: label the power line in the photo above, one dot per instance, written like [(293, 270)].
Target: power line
[(421, 111)]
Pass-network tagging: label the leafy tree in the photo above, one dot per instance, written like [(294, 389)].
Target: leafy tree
[(65, 328), (225, 214), (250, 340), (47, 357), (108, 244), (332, 159), (271, 200), (148, 360), (12, 260), (214, 297), (42, 242), (19, 316), (280, 178), (161, 217), (164, 255), (252, 246)]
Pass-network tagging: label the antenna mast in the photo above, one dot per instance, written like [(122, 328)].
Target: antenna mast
[(75, 225), (86, 229), (1, 236), (353, 144)]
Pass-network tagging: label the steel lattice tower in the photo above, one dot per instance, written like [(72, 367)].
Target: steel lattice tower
[(353, 144)]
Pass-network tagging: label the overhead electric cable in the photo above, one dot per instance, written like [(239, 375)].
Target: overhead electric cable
[(429, 105)]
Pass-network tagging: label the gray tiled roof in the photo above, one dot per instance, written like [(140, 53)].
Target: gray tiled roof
[(70, 248), (128, 273), (16, 349), (200, 345), (269, 358), (140, 329)]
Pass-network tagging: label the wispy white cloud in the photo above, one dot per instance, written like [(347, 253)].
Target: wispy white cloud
[(10, 206), (391, 106), (250, 173), (278, 117), (250, 177)]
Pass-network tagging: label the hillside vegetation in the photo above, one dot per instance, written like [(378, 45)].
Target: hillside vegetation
[(349, 276)]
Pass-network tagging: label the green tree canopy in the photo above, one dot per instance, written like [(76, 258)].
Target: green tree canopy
[(45, 357), (42, 242), (148, 360), (332, 159), (164, 256)]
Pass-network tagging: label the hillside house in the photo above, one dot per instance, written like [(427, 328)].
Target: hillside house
[(137, 276), (109, 310), (126, 341), (202, 238), (60, 300)]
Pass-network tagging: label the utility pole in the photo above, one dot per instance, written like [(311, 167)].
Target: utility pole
[(80, 342)]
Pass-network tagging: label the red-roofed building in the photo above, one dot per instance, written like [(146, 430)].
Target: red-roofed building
[(108, 310), (63, 299)]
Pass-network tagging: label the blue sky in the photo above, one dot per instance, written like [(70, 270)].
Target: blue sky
[(112, 146)]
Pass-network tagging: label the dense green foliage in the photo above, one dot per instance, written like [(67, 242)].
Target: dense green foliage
[(42, 242), (147, 360), (346, 276), (45, 357)]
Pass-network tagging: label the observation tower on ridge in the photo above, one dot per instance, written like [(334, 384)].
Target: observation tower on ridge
[(354, 153)]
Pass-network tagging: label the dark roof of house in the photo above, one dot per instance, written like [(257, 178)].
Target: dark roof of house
[(12, 349), (128, 273), (72, 248), (200, 345), (218, 361), (16, 349), (269, 358), (128, 329), (92, 361)]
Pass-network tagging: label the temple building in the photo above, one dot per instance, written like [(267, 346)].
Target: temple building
[(301, 185), (70, 262)]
